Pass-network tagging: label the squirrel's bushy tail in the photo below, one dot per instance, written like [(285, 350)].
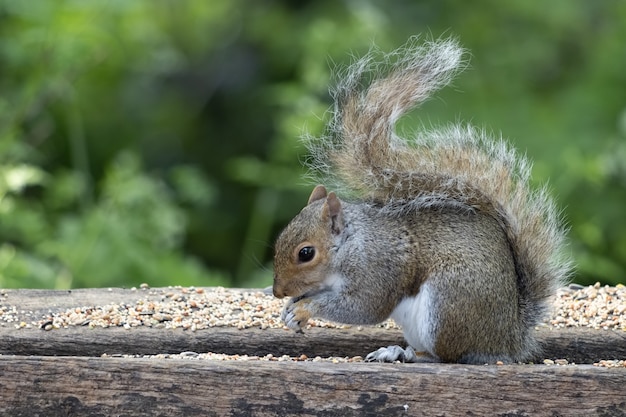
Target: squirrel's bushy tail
[(456, 165)]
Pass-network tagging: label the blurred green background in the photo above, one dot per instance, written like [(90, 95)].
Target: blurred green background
[(157, 141)]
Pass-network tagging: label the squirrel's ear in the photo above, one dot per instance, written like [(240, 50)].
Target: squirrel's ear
[(333, 208), (318, 193)]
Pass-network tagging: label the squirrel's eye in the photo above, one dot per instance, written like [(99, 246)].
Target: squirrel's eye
[(306, 254)]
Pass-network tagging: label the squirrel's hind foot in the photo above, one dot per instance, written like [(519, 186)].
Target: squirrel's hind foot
[(396, 353)]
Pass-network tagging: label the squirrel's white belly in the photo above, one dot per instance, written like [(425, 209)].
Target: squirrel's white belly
[(415, 316)]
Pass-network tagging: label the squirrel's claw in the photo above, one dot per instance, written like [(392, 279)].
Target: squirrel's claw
[(396, 353), (295, 314)]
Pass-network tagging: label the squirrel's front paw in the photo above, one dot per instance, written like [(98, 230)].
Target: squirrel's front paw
[(296, 314)]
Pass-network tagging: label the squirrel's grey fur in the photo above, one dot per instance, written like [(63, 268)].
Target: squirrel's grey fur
[(449, 213)]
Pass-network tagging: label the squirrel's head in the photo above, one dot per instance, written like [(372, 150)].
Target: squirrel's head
[(302, 257)]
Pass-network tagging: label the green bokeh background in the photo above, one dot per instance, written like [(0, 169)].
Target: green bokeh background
[(157, 141)]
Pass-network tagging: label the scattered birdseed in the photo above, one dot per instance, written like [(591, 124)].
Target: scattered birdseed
[(211, 356), (14, 317), (611, 364), (560, 362)]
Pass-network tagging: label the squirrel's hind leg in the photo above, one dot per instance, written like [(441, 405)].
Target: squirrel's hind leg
[(414, 315), (396, 353)]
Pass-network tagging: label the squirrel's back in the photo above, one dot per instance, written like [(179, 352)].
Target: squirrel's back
[(456, 166)]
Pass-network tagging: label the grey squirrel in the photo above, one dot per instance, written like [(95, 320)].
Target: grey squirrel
[(442, 233)]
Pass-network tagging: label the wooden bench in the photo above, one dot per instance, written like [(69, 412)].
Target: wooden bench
[(63, 372)]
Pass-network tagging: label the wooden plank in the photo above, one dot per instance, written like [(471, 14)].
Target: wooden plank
[(575, 345), (83, 341), (70, 386)]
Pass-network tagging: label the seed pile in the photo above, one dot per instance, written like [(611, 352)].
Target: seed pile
[(187, 308), (596, 306)]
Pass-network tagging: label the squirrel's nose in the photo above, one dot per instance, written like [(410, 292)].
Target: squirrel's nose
[(278, 293)]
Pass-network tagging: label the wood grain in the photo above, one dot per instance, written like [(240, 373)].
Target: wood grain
[(65, 386)]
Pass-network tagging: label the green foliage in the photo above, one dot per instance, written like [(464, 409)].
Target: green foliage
[(156, 140), (131, 234)]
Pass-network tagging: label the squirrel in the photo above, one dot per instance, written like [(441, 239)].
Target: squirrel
[(442, 233)]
